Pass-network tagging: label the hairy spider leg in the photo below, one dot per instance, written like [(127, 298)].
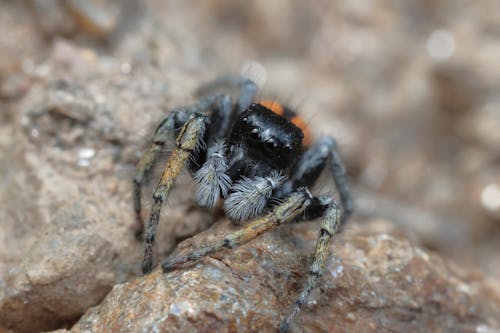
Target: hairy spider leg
[(174, 120), (307, 171), (212, 179), (222, 114), (188, 141), (219, 108), (309, 168), (288, 211), (285, 212), (251, 195), (329, 228), (247, 89), (340, 177)]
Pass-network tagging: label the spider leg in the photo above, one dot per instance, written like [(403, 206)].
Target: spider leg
[(165, 130), (250, 196), (211, 168), (221, 112), (248, 89), (329, 228), (312, 163), (188, 141), (212, 179), (340, 177), (247, 94), (292, 207), (217, 106)]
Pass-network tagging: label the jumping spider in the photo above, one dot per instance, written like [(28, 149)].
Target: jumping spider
[(253, 155)]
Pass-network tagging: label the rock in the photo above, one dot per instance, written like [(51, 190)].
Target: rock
[(83, 84), (67, 230), (378, 281), (97, 19), (47, 289)]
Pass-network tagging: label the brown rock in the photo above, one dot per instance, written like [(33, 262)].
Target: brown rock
[(68, 219), (48, 289), (76, 113), (378, 282)]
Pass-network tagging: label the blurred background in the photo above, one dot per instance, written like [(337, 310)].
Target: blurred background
[(410, 89)]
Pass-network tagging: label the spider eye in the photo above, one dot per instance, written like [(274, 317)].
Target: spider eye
[(270, 146), (254, 134)]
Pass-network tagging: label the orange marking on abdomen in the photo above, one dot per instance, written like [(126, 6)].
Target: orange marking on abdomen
[(273, 106), (300, 123)]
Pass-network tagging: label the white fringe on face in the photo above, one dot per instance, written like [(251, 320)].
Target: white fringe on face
[(251, 196), (212, 179)]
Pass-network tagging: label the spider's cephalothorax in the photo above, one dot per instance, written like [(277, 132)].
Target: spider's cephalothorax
[(269, 139), (258, 157)]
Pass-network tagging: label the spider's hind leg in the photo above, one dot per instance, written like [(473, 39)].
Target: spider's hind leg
[(247, 89)]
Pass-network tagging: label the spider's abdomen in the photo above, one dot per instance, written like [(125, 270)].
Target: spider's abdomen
[(267, 136)]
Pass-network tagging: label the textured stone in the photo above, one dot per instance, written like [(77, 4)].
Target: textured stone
[(68, 161), (82, 89), (378, 281), (48, 289)]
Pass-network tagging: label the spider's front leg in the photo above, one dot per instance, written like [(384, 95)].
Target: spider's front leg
[(162, 135), (188, 141), (217, 107), (329, 228), (287, 211)]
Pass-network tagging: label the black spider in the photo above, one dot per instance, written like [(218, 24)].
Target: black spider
[(253, 155)]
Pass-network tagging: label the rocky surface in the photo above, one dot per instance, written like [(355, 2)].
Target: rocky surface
[(377, 282), (68, 159), (72, 196), (408, 89)]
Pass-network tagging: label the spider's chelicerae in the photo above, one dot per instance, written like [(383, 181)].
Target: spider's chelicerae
[(258, 157)]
